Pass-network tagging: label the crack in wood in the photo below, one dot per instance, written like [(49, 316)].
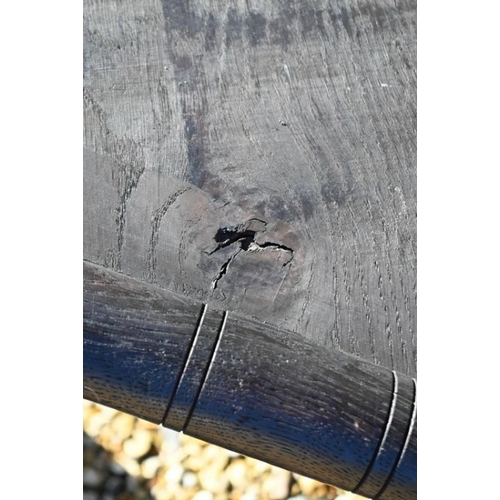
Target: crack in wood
[(223, 270), (226, 236)]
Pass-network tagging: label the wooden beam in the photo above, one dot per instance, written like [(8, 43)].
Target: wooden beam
[(248, 386)]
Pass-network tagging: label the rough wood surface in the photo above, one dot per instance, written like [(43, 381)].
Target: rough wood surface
[(135, 342), (248, 387), (261, 157), (320, 413)]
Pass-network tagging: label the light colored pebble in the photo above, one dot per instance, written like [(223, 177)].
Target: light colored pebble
[(237, 472), (254, 488), (249, 496), (138, 444), (295, 490), (108, 440), (219, 462), (150, 466), (157, 439), (191, 454), (307, 485), (203, 495), (170, 439), (322, 491), (174, 474), (256, 466), (212, 453), (159, 490), (106, 411), (213, 479), (122, 425), (277, 485), (189, 480), (90, 495), (130, 465), (345, 495), (94, 423)]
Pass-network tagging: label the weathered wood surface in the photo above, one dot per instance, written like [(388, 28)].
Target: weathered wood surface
[(261, 157), (135, 342), (248, 386)]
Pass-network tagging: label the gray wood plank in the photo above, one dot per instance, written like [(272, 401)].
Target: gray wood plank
[(213, 120)]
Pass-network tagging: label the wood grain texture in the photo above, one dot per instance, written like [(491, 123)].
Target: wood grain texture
[(270, 395), (393, 448), (405, 471), (294, 120), (135, 342), (248, 387), (182, 403)]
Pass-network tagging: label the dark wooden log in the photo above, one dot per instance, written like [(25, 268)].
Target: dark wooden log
[(248, 386)]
